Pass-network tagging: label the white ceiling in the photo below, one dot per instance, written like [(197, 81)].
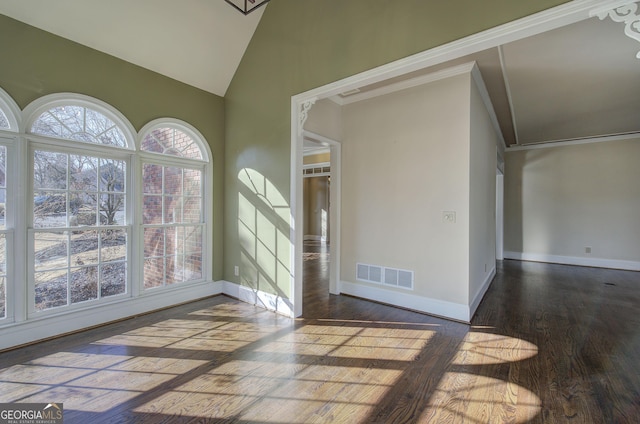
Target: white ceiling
[(198, 42)]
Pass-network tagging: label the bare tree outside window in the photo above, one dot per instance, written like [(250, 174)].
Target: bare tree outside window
[(80, 196)]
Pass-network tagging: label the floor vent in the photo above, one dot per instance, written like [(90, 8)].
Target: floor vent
[(385, 276)]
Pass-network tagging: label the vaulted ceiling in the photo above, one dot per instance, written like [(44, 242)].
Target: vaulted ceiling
[(579, 81), (198, 42)]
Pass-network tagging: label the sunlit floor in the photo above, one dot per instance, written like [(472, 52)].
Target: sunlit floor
[(550, 343)]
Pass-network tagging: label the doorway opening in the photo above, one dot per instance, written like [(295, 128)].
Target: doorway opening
[(320, 203)]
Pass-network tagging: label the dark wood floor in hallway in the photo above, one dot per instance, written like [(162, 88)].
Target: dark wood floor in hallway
[(550, 343)]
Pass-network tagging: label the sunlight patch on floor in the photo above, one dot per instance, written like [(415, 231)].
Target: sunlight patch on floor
[(486, 348), (477, 399)]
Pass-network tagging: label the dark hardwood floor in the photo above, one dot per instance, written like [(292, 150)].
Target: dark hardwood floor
[(550, 343)]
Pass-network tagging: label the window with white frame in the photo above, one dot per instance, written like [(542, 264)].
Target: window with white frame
[(79, 234), (8, 129), (91, 197), (173, 215), (3, 232)]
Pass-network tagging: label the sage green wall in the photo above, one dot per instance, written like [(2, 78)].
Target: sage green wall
[(36, 63), (300, 45)]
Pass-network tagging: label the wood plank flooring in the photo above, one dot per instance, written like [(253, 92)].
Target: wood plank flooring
[(550, 343)]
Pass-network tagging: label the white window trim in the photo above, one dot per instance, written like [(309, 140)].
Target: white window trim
[(20, 326), (203, 164), (45, 103), (11, 109), (8, 139), (177, 124)]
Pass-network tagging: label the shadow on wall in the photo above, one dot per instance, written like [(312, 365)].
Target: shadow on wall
[(263, 231), (530, 162)]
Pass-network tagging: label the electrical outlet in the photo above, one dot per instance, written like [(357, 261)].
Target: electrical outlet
[(236, 270), (587, 249)]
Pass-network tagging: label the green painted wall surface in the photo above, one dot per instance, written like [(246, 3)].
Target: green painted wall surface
[(35, 63), (300, 45)]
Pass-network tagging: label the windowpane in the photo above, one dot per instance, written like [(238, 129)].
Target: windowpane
[(113, 279), (49, 209), (50, 250), (4, 122), (172, 209), (153, 273), (152, 179), (112, 175), (179, 245), (84, 284), (192, 210), (193, 239), (193, 267), (71, 264), (3, 297), (173, 181), (80, 124), (3, 167), (173, 270), (171, 141), (50, 289), (152, 210), (49, 170), (3, 255), (112, 210), (83, 173), (153, 242), (83, 248), (3, 220), (83, 209), (113, 245), (3, 275), (192, 182)]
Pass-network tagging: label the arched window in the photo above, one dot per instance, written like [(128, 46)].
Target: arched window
[(173, 210), (9, 113), (79, 219)]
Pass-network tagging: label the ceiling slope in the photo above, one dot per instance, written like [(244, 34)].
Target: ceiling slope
[(198, 42)]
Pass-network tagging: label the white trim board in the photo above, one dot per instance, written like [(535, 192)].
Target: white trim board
[(574, 260), (17, 334), (436, 307), (473, 307), (268, 301), (573, 142)]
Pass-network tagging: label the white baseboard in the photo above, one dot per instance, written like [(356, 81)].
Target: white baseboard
[(574, 260), (441, 308), (480, 295), (259, 298), (20, 333)]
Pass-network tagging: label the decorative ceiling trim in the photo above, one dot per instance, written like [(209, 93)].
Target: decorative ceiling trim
[(627, 14), (304, 113)]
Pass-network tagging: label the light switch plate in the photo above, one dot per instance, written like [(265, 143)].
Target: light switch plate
[(449, 217)]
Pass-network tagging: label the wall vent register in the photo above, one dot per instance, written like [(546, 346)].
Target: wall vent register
[(384, 275)]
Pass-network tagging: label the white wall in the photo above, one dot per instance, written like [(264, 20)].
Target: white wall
[(405, 161), (560, 200), (482, 225)]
